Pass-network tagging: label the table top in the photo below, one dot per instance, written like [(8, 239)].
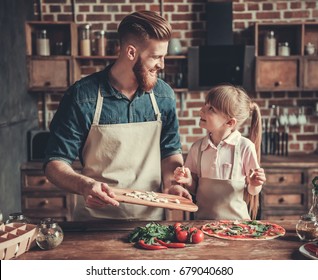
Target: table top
[(108, 241)]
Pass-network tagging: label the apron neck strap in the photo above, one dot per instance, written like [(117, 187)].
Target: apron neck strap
[(99, 106), (155, 105)]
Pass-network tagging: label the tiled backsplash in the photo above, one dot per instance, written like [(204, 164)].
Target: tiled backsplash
[(188, 20)]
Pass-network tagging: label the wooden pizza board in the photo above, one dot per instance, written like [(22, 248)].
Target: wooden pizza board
[(185, 204)]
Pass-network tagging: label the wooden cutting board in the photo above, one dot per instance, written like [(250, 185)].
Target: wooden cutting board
[(185, 204)]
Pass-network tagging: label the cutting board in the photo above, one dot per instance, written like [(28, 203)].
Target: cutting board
[(185, 204)]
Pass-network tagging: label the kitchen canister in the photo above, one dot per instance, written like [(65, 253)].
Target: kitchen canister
[(174, 47), (270, 44), (42, 43), (283, 49), (101, 43), (85, 40), (50, 234), (310, 49)]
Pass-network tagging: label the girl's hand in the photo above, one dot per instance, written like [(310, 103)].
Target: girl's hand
[(257, 177), (183, 176), (180, 191)]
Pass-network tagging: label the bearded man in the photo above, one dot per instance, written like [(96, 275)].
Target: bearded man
[(121, 123)]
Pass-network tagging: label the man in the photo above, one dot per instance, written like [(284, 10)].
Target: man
[(122, 124)]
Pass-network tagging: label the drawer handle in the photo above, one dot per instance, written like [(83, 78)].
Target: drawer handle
[(43, 181), (278, 83), (281, 200), (44, 202), (281, 179), (47, 83)]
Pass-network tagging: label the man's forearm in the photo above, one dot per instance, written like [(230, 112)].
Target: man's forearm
[(63, 176), (168, 165)]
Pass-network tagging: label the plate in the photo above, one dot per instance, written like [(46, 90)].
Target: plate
[(307, 254)]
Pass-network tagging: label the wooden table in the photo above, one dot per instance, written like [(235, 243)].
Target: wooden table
[(108, 241)]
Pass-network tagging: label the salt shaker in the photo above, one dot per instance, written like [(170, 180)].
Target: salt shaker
[(50, 234), (307, 228), (270, 44)]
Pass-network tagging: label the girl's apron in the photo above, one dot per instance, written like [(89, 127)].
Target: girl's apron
[(123, 156), (221, 199)]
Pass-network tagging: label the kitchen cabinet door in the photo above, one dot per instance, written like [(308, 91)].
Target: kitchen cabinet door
[(310, 73), (49, 73), (277, 74)]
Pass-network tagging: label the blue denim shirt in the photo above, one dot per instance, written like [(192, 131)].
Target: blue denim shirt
[(72, 121)]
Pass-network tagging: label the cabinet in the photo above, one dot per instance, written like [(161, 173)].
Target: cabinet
[(53, 72), (294, 72), (286, 195), (41, 199)]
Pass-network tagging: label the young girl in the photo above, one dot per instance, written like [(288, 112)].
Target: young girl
[(222, 169)]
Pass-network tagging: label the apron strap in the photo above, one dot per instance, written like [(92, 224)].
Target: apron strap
[(155, 106), (199, 159), (99, 106)]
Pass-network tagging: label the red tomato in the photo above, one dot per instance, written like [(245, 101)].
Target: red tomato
[(177, 225), (192, 229), (182, 235), (197, 236)]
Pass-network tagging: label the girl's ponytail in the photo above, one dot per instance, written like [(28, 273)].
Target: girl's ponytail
[(256, 137)]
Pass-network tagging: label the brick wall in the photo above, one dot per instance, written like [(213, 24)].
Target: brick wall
[(188, 20)]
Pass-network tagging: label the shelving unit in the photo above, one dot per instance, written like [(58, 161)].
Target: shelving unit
[(295, 72)]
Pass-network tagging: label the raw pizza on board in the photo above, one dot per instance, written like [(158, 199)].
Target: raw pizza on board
[(243, 230)]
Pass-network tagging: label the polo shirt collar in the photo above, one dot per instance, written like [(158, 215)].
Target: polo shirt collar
[(233, 139)]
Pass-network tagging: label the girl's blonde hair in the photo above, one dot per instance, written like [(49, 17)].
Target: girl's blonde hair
[(234, 102)]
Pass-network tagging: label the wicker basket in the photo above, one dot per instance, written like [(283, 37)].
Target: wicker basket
[(15, 239)]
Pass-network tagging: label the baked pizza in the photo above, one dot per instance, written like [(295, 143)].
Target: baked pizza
[(243, 230)]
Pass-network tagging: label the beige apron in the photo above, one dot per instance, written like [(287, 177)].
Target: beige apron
[(124, 156), (221, 199)]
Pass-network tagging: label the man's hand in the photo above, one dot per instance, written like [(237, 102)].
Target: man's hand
[(180, 191), (98, 195)]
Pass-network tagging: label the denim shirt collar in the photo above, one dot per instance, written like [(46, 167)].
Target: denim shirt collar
[(106, 88)]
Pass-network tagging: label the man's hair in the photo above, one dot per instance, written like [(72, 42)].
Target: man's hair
[(142, 26)]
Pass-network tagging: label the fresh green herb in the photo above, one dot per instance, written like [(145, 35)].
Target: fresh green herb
[(151, 232)]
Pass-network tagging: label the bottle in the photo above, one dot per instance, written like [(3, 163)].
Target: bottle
[(270, 44), (314, 205), (1, 218), (17, 217), (85, 40), (101, 43), (42, 43), (283, 49), (310, 49), (307, 228), (50, 234)]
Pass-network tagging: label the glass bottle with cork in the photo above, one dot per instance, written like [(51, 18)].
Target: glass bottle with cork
[(270, 44), (85, 40), (42, 43), (101, 43)]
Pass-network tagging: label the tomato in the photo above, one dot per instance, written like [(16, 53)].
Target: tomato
[(192, 229), (177, 225), (182, 235), (196, 236)]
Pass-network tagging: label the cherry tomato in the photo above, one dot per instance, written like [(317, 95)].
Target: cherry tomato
[(196, 236), (192, 229), (182, 235), (177, 225)]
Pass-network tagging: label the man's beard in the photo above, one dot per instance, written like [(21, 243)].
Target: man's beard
[(145, 81)]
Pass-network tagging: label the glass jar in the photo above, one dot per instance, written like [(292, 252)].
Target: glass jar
[(283, 49), (1, 218), (85, 40), (270, 44), (307, 228), (314, 204), (42, 43), (101, 43), (17, 217), (50, 234), (310, 49)]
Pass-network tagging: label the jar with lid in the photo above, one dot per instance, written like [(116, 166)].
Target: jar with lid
[(270, 44), (283, 49), (314, 204), (307, 228), (85, 40), (310, 49), (101, 43), (17, 217), (42, 43), (50, 234)]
